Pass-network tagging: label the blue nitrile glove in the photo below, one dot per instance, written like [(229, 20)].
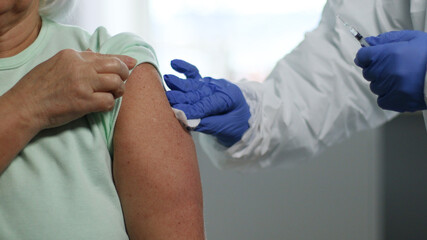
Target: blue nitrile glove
[(395, 65), (219, 104)]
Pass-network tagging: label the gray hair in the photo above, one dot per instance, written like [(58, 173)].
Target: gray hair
[(56, 9)]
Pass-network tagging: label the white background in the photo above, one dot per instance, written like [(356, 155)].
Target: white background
[(225, 39)]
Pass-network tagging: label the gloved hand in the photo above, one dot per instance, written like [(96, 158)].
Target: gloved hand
[(395, 65), (219, 104)]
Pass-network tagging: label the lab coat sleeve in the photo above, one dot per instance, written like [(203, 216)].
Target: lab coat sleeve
[(315, 96)]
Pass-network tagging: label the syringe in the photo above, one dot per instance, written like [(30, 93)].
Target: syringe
[(355, 33)]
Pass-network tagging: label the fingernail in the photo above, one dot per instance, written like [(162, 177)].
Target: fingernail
[(131, 61)]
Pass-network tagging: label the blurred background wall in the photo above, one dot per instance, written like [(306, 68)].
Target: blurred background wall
[(371, 186)]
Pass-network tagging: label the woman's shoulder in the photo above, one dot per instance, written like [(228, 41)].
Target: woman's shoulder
[(123, 43), (102, 41)]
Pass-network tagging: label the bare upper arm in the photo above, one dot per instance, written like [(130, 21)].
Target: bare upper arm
[(155, 164)]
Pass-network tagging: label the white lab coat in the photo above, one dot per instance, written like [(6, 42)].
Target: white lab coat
[(316, 96)]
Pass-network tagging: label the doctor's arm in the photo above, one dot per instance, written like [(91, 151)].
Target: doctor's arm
[(155, 166), (314, 97)]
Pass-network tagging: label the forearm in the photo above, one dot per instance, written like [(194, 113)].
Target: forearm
[(155, 165), (16, 130)]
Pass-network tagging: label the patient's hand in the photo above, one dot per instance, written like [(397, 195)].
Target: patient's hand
[(65, 87), (71, 84)]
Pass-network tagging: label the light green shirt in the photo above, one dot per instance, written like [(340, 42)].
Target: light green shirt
[(60, 185)]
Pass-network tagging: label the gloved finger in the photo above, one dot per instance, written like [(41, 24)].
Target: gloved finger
[(222, 83), (227, 134), (379, 87), (189, 70), (208, 125), (365, 56), (177, 97), (191, 97), (388, 102), (376, 61), (184, 85), (393, 36), (372, 72), (212, 105)]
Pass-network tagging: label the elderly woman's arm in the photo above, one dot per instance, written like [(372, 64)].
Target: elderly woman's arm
[(155, 165), (59, 90), (16, 129)]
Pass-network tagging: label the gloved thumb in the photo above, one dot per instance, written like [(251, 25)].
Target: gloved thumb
[(392, 37), (189, 70)]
